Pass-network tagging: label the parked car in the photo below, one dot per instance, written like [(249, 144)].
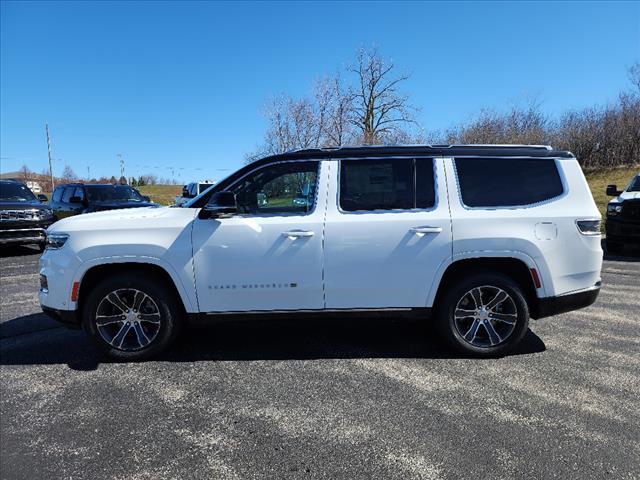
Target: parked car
[(75, 198), (192, 190), (623, 216), (23, 217), (477, 239)]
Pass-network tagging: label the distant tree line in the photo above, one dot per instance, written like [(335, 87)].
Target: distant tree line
[(69, 176), (368, 107)]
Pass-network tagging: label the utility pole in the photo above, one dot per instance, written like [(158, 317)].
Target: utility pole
[(46, 127), (88, 173), (121, 165)]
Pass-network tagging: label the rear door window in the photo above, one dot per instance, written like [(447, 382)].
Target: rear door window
[(393, 184), (498, 182)]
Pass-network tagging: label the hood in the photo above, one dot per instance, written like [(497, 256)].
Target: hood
[(99, 206), (141, 219), (626, 196), (8, 205)]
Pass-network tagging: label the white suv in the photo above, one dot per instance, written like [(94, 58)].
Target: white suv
[(477, 238)]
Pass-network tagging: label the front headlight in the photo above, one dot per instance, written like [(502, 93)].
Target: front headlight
[(614, 209), (56, 240), (46, 214)]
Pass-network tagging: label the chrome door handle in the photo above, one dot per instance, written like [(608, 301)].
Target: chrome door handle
[(425, 229), (298, 233)]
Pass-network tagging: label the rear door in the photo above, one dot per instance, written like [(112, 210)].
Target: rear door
[(388, 231)]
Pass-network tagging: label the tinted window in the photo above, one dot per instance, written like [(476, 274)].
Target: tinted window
[(113, 193), (395, 184), (494, 182), (15, 192), (57, 194), (79, 192), (425, 190), (280, 188)]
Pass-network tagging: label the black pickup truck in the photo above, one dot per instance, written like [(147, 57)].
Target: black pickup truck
[(23, 216), (623, 216)]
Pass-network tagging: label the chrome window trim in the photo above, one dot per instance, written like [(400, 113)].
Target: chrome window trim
[(395, 210), (555, 160)]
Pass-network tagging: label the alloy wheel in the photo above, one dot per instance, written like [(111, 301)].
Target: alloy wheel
[(128, 319), (485, 316)]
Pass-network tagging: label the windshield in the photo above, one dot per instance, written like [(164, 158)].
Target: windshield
[(634, 186), (15, 192), (113, 193)]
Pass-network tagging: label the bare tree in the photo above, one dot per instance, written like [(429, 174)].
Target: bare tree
[(379, 110), (25, 173), (68, 175), (634, 75)]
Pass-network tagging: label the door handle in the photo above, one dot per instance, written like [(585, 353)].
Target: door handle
[(425, 229), (298, 233)]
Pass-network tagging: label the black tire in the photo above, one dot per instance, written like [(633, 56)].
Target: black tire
[(613, 247), (516, 310), (160, 335)]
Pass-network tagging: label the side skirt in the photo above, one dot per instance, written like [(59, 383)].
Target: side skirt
[(391, 313)]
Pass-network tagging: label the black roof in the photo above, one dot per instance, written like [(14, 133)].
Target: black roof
[(80, 184), (423, 150)]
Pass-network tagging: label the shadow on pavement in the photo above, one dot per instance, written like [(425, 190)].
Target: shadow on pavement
[(248, 340)]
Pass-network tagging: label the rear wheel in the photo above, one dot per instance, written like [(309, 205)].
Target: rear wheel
[(131, 316), (484, 315)]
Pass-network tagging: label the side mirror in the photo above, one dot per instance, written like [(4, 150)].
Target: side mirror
[(75, 199), (146, 198), (43, 198), (185, 191), (612, 191), (221, 204)]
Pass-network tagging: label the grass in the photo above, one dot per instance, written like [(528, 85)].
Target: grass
[(599, 180), (162, 194)]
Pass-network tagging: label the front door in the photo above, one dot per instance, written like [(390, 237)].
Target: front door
[(388, 231), (268, 256)]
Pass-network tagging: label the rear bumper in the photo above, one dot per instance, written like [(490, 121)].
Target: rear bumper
[(69, 318), (566, 303)]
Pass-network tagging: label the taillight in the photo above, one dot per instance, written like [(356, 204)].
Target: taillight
[(589, 227)]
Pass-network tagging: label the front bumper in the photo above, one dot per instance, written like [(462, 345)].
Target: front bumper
[(69, 318), (22, 236), (566, 303), (622, 230)]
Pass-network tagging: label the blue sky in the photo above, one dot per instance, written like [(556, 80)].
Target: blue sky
[(182, 84)]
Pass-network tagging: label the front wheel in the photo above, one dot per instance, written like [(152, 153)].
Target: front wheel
[(484, 315), (131, 316)]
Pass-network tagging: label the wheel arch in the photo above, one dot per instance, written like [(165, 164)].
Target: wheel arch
[(95, 273), (515, 268)]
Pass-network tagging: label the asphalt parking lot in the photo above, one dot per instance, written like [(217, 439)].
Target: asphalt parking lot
[(322, 399)]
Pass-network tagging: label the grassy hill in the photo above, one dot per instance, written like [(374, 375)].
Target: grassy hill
[(598, 182), (162, 194)]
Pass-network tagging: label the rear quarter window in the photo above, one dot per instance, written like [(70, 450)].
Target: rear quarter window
[(503, 182)]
